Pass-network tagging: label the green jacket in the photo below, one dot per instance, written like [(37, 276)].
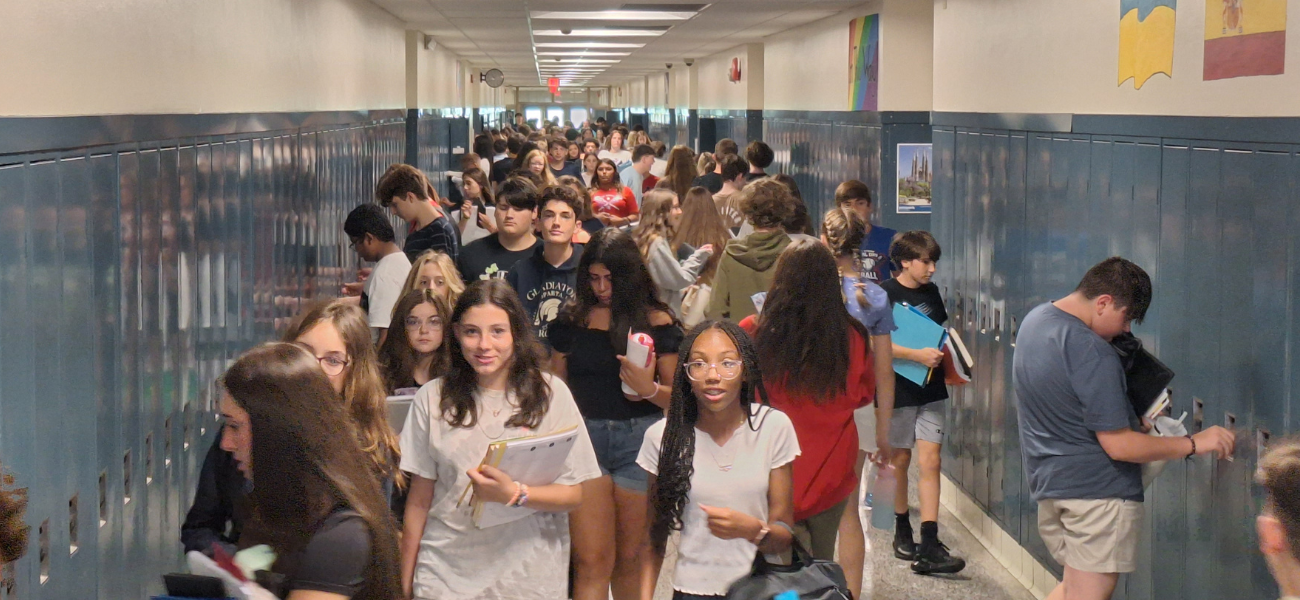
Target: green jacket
[(746, 269)]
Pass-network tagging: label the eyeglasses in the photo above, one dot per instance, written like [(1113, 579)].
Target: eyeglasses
[(699, 370), (333, 364), (416, 323)]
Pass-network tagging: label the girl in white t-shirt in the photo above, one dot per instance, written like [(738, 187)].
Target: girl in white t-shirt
[(720, 467), (494, 390), (615, 150)]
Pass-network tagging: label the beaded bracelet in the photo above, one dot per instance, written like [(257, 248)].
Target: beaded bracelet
[(1193, 452), (521, 496), (515, 497)]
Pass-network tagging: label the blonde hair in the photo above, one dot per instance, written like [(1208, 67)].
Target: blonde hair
[(547, 177), (706, 163), (656, 206), (364, 393), (455, 285), (843, 231)]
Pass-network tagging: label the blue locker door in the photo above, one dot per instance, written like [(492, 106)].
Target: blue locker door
[(1012, 259), (1168, 320), (107, 253), (1202, 376)]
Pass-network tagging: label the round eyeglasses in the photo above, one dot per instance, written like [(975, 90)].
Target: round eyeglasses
[(333, 364), (416, 323), (699, 370)]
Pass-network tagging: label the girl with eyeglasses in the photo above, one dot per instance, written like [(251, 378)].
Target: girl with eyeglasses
[(318, 503), (615, 297), (494, 390), (414, 354), (720, 467), (338, 335)]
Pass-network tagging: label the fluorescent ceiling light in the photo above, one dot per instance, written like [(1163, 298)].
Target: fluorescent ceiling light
[(578, 61), (583, 53), (602, 32), (588, 45), (615, 15)]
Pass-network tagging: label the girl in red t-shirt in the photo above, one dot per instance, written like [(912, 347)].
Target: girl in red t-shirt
[(613, 202), (818, 364)]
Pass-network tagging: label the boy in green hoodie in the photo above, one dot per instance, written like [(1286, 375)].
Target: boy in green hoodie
[(747, 264)]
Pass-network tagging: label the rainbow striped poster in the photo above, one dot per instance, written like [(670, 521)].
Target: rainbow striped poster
[(864, 63)]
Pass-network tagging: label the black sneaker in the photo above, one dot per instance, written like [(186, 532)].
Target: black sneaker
[(936, 559), (904, 547)]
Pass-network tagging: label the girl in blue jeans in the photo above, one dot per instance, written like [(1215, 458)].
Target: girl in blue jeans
[(615, 297)]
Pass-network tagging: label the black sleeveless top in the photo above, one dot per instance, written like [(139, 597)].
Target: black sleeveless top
[(593, 369)]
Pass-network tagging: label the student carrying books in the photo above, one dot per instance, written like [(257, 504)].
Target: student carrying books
[(494, 390)]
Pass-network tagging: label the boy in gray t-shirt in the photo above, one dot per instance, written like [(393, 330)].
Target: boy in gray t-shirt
[(1077, 429)]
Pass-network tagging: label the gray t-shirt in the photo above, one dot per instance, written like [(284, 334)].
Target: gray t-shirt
[(1069, 385)]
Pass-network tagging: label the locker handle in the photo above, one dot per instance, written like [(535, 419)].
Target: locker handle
[(1015, 330), (984, 318), (997, 324)]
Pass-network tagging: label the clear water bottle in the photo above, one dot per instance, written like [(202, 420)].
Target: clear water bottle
[(868, 485), (883, 489)]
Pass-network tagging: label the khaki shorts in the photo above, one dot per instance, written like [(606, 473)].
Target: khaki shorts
[(1096, 536)]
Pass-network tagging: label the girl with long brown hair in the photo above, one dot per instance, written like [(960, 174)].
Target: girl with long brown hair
[(317, 502), (614, 203), (415, 353), (615, 297), (701, 226), (338, 335), (817, 363), (494, 390), (680, 172), (661, 215)]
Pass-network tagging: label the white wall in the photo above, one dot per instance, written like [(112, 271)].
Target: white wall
[(715, 91), (1062, 57), (807, 68), (77, 57)]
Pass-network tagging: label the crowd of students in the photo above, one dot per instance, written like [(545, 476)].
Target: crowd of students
[(507, 313)]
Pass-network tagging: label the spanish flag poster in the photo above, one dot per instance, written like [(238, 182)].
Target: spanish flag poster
[(1244, 38), (1146, 39)]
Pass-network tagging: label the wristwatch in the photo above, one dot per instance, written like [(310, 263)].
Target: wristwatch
[(762, 535)]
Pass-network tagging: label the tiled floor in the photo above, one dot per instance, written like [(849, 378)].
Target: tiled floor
[(984, 578)]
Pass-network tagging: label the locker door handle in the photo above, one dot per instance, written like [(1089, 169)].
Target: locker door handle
[(1015, 330), (997, 324), (984, 318)]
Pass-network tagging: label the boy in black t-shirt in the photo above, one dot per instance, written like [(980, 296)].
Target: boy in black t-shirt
[(491, 257), (918, 419), (406, 190)]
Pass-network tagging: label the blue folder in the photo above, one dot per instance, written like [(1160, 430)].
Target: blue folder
[(915, 331)]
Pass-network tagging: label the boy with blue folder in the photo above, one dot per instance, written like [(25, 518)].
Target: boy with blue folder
[(918, 409)]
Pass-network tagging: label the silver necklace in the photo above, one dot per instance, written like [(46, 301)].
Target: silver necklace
[(721, 466)]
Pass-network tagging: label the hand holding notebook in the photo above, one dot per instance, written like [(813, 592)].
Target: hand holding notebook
[(915, 331), (533, 461)]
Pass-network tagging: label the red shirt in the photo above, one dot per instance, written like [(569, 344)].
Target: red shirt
[(824, 472), (618, 202)]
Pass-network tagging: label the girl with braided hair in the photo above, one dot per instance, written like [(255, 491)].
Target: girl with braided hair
[(718, 448)]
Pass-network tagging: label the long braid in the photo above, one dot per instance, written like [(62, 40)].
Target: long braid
[(677, 451)]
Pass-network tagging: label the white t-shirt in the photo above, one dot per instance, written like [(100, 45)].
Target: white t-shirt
[(707, 565), (619, 158), (384, 286), (472, 230), (523, 559), (659, 168)]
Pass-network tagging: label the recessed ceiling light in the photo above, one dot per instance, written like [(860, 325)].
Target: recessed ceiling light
[(582, 53), (614, 15), (588, 45), (601, 32), (590, 61)]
